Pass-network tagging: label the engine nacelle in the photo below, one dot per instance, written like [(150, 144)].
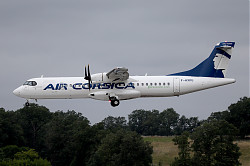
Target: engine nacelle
[(101, 95), (99, 77)]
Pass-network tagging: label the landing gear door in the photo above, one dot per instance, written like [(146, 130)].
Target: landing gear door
[(176, 86)]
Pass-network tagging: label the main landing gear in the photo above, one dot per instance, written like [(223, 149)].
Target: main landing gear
[(114, 101)]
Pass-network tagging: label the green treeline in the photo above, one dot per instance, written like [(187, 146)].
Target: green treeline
[(164, 123), (210, 144), (168, 122), (67, 138)]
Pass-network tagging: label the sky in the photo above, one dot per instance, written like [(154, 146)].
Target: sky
[(60, 37)]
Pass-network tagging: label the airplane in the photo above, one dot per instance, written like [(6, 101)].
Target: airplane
[(117, 84)]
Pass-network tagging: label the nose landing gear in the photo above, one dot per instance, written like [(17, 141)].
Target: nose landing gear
[(27, 104)]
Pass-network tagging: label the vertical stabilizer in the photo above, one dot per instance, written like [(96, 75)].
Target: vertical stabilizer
[(215, 65)]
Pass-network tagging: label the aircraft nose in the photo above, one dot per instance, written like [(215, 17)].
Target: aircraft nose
[(17, 91)]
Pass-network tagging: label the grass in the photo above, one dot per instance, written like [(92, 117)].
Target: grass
[(245, 151), (165, 151)]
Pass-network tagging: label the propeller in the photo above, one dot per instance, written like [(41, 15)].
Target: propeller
[(88, 75)]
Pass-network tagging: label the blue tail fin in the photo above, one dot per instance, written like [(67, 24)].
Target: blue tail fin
[(215, 65)]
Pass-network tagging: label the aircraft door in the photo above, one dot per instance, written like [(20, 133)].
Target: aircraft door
[(176, 89)]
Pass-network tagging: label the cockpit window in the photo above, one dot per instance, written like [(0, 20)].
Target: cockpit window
[(30, 83), (26, 83), (34, 83)]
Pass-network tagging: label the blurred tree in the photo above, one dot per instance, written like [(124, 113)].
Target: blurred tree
[(193, 122), (32, 119), (240, 116), (22, 156), (225, 115), (30, 154), (124, 148), (165, 123), (8, 152), (168, 122), (61, 136), (88, 141), (183, 143), (114, 123), (237, 114), (11, 133), (213, 144), (182, 125), (144, 122)]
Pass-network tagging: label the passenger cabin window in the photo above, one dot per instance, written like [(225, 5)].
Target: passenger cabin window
[(30, 83)]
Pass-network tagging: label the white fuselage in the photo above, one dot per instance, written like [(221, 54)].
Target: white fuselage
[(134, 87)]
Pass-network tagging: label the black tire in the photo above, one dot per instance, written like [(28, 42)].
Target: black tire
[(27, 104), (115, 102)]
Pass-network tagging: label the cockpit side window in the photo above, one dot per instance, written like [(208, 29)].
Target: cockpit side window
[(34, 83), (30, 83)]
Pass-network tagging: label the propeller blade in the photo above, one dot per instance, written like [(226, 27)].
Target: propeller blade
[(89, 85), (88, 75), (85, 74)]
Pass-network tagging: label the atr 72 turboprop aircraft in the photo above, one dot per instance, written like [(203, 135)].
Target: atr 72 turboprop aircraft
[(117, 85)]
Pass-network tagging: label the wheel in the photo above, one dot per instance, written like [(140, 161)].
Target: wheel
[(27, 104), (115, 102)]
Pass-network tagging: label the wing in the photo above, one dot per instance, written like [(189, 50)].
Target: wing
[(118, 74)]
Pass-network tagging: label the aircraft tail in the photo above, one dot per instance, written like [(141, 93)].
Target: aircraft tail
[(215, 65)]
